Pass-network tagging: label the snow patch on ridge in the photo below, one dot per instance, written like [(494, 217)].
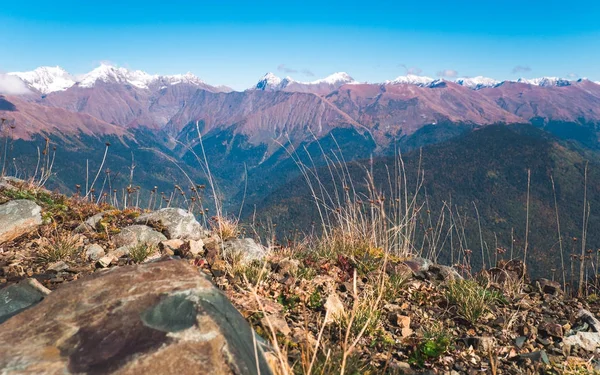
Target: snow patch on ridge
[(411, 79), (477, 83), (546, 81), (271, 82)]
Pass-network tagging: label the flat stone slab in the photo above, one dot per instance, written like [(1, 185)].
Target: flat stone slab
[(155, 318)]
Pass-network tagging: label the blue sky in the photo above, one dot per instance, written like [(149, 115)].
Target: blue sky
[(235, 43)]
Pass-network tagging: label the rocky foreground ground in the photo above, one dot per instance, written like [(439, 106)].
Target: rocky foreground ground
[(88, 288)]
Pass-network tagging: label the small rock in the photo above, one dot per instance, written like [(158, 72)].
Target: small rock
[(94, 252), (287, 266), (213, 248), (444, 273), (482, 343), (403, 322), (335, 308), (588, 341), (549, 287), (515, 268), (90, 224), (589, 318), (196, 247), (544, 342), (418, 265), (18, 217), (106, 260), (178, 223), (246, 249), (401, 367), (5, 185), (277, 323), (520, 341), (218, 268), (58, 266), (134, 234), (170, 247), (551, 329), (303, 336), (539, 356)]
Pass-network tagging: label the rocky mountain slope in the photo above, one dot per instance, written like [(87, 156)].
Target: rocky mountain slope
[(97, 289), (254, 140)]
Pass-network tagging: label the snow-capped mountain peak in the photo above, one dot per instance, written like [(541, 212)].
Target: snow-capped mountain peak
[(111, 74), (272, 82), (411, 79), (268, 82), (46, 79), (334, 79), (478, 82), (545, 81)]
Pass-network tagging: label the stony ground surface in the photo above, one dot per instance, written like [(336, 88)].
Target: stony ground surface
[(357, 309)]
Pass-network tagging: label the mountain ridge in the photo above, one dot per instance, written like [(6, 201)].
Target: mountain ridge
[(46, 79)]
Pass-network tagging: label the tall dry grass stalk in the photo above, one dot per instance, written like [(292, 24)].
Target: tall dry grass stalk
[(560, 242), (586, 215), (359, 211)]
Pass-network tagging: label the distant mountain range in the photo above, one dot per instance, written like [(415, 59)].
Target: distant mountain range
[(276, 107), (245, 130), (46, 79), (160, 127)]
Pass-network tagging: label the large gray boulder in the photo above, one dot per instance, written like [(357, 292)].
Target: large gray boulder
[(18, 217), (178, 223), (155, 318)]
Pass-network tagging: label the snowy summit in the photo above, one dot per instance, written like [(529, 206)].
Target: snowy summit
[(270, 82), (46, 79), (545, 81), (50, 79)]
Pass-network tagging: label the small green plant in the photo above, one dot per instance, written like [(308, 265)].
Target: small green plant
[(306, 273), (315, 300), (252, 272), (436, 341), (140, 252), (52, 203), (471, 299), (593, 298), (60, 247), (367, 259), (394, 284), (288, 302), (365, 315)]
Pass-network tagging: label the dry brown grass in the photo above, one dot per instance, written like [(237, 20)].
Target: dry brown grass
[(226, 228)]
